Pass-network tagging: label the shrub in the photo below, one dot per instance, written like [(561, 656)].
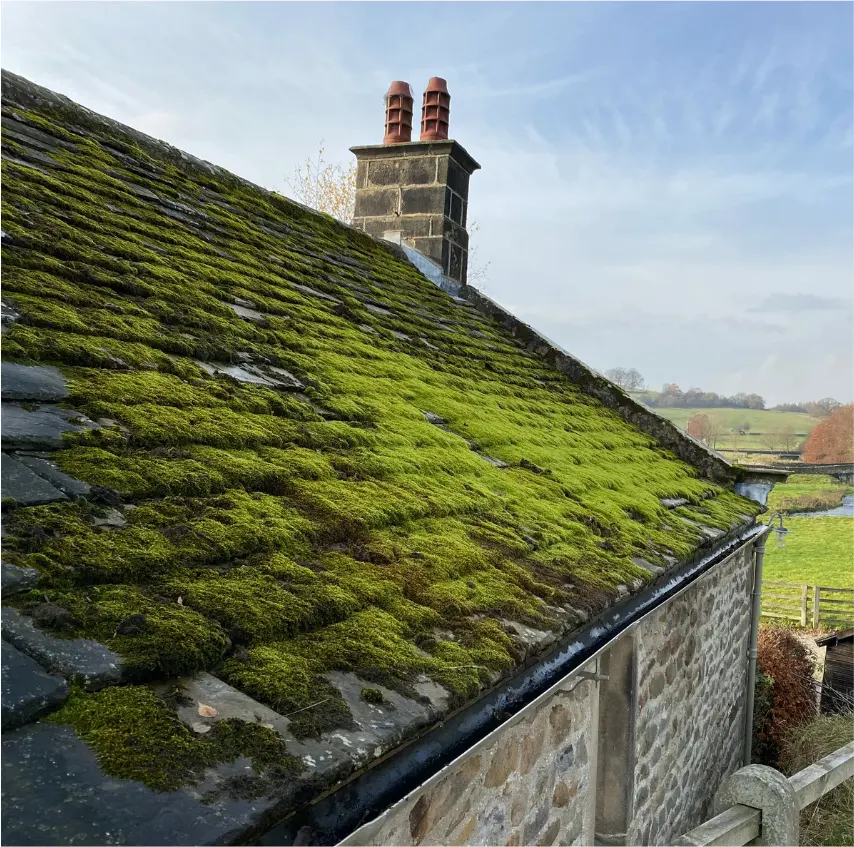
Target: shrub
[(789, 665), (830, 820)]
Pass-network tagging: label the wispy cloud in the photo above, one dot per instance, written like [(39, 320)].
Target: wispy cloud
[(802, 303)]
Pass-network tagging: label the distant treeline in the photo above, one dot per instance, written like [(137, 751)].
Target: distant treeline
[(816, 408), (672, 395)]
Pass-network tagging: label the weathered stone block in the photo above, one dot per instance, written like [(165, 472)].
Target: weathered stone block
[(433, 247), (384, 172), (15, 579), (48, 470), (80, 660), (28, 382), (420, 171), (535, 824), (416, 226), (551, 833), (25, 487), (452, 174), (455, 232), (503, 763), (54, 792), (377, 202), (362, 174), (422, 200), (27, 691), (41, 428)]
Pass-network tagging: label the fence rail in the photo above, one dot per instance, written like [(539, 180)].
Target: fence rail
[(808, 604), (741, 824)]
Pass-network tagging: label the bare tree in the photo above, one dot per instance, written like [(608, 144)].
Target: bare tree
[(788, 437), (477, 274), (627, 378), (326, 187), (716, 431), (773, 441)]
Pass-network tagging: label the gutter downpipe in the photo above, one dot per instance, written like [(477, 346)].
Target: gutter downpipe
[(758, 559)]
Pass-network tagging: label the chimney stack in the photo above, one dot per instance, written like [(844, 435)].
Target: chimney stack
[(416, 192), (398, 113), (435, 111)]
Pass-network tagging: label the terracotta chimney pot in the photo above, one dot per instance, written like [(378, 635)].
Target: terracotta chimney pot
[(436, 110), (399, 104)]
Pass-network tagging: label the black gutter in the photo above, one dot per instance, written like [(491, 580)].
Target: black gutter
[(367, 795)]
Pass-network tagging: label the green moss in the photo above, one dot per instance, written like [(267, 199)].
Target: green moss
[(136, 735), (373, 696), (334, 529)]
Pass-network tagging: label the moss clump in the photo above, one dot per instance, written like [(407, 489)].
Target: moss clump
[(373, 696), (136, 735)]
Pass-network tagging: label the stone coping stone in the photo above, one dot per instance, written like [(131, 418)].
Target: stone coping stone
[(272, 377), (24, 486), (15, 579), (313, 292), (378, 727), (377, 310), (31, 382), (247, 313), (40, 429), (673, 502), (8, 315), (27, 691), (49, 471), (54, 793), (79, 660)]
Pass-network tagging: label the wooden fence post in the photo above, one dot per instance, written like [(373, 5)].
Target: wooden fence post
[(804, 590), (815, 604)]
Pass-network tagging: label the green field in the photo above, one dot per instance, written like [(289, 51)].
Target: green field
[(760, 422), (818, 551)]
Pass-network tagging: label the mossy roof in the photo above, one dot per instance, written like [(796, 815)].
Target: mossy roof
[(401, 493)]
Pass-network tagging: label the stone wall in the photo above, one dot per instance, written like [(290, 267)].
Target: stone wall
[(667, 727), (691, 672), (526, 784)]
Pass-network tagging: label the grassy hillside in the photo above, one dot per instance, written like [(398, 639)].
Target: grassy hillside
[(761, 422)]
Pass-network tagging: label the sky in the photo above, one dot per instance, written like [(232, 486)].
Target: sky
[(665, 186)]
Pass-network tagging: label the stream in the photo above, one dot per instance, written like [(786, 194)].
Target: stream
[(845, 510)]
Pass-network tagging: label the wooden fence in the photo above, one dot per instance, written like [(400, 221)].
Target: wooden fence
[(742, 824), (809, 605)]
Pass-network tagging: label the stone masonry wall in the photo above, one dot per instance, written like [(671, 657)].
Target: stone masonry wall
[(689, 714), (527, 785)]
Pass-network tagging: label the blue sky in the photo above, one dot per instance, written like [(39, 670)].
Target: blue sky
[(667, 186)]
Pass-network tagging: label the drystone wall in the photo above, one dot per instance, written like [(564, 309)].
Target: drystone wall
[(689, 714), (527, 784)]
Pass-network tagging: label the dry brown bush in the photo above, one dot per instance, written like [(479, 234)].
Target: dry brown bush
[(790, 665)]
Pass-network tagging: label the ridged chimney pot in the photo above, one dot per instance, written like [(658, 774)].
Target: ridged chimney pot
[(435, 110), (399, 104)]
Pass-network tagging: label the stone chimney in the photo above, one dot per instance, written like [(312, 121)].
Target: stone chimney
[(416, 192)]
